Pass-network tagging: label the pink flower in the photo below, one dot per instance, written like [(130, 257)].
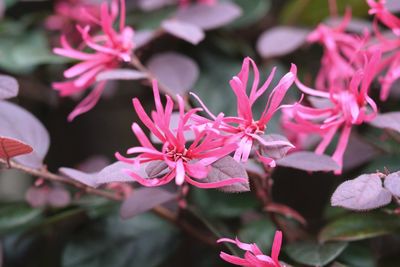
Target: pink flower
[(110, 48), (244, 129), (253, 256), (384, 16), (184, 162), (337, 110)]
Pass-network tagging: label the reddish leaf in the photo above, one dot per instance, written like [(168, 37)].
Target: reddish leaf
[(209, 17), (363, 193), (183, 30), (8, 87), (10, 148), (156, 168), (286, 211), (175, 71), (227, 168), (277, 146), (309, 161), (280, 41), (392, 183), (389, 120), (144, 199)]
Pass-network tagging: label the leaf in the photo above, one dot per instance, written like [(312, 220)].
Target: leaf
[(308, 161), (279, 147), (261, 232), (209, 17), (145, 240), (144, 199), (390, 120), (358, 255), (358, 152), (393, 6), (58, 197), (359, 226), (156, 168), (175, 71), (13, 216), (392, 183), (36, 196), (313, 253), (286, 211), (183, 30), (18, 123), (1, 255), (275, 42), (143, 37), (109, 174), (120, 74), (363, 193), (150, 5), (8, 87), (252, 12), (10, 148), (227, 168)]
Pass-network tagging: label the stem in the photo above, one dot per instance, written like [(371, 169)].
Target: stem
[(159, 210)]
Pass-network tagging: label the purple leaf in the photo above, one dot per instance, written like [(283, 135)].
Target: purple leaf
[(36, 196), (389, 120), (156, 168), (363, 193), (209, 17), (393, 5), (392, 183), (355, 25), (142, 38), (280, 41), (254, 167), (309, 161), (144, 199), (150, 5), (175, 71), (18, 123), (227, 168), (58, 197), (173, 126), (185, 31), (357, 153), (120, 74), (277, 146), (8, 87), (112, 173)]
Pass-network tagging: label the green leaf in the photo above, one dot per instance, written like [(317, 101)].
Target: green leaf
[(311, 12), (15, 216), (360, 226), (260, 232), (252, 11), (145, 240), (390, 162), (313, 253), (357, 255)]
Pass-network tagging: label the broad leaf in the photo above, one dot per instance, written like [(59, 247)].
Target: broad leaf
[(183, 30), (308, 161), (360, 226), (142, 38), (280, 41), (144, 199), (366, 192), (393, 5), (156, 168), (227, 168), (120, 74), (389, 120), (150, 5), (392, 183), (175, 71), (313, 253), (252, 12), (10, 148), (209, 17), (8, 87), (18, 123), (13, 216), (277, 146), (260, 231)]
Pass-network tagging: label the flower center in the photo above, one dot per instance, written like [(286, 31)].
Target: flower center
[(252, 128), (175, 155)]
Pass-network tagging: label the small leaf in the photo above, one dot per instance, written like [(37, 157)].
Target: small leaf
[(36, 196), (393, 6), (275, 42), (120, 74), (18, 123), (209, 17), (150, 5), (175, 71), (392, 183), (10, 148), (227, 168), (313, 253), (8, 87), (156, 168), (144, 199), (309, 161), (183, 30), (143, 37), (279, 147), (260, 231), (363, 193), (14, 216), (359, 226), (390, 120), (58, 197)]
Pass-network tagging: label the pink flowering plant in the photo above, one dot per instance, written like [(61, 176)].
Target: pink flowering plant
[(199, 133)]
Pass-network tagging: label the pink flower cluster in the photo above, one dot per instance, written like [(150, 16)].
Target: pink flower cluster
[(253, 256), (210, 138), (106, 50)]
